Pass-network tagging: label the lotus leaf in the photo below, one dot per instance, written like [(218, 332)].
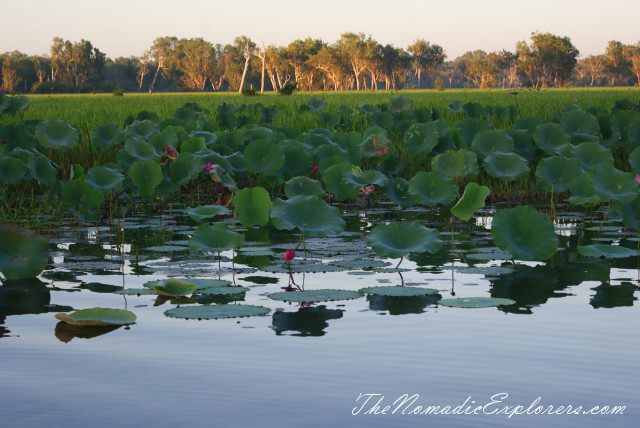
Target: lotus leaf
[(421, 138), (223, 291), (525, 233), (452, 163), (98, 317), (79, 197), (252, 206), (606, 251), (549, 137), (140, 149), (432, 188), (398, 239), (185, 168), (507, 166), (316, 104), (470, 126), (298, 159), (173, 287), (23, 254), (474, 110), (593, 155), (311, 215), (303, 186), (312, 296), (486, 142), (576, 121), (215, 239), (12, 170), (204, 212), (613, 184), (146, 176), (476, 302), (364, 178), (264, 157), (106, 137), (557, 172), (397, 189), (219, 175), (104, 180), (399, 291), (57, 135), (334, 181), (142, 129), (630, 213), (583, 191), (472, 199), (216, 311)]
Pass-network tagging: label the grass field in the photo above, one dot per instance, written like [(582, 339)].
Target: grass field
[(86, 111)]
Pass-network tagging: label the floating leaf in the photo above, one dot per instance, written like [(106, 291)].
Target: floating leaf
[(216, 311), (173, 287), (525, 233), (399, 291), (223, 291), (476, 302), (23, 254), (311, 215), (252, 206), (398, 239), (472, 199), (606, 251), (311, 296), (204, 212), (98, 316)]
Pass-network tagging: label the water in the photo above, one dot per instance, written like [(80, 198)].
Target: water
[(570, 341)]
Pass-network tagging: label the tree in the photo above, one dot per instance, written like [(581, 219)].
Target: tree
[(505, 64), (143, 68), (195, 58), (634, 57), (329, 62), (549, 60), (246, 48), (10, 77), (617, 63), (162, 51), (353, 47), (262, 54), (426, 58), (481, 71)]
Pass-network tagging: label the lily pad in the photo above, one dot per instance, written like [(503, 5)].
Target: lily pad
[(311, 296), (98, 316), (606, 251), (476, 302), (204, 212), (173, 287), (399, 291), (223, 291), (216, 311)]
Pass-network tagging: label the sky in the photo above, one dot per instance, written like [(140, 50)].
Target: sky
[(128, 27)]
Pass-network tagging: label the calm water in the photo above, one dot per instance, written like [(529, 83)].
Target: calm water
[(572, 339)]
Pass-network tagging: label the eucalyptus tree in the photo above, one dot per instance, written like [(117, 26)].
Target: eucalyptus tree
[(426, 58), (246, 48), (162, 52), (617, 63), (548, 61), (353, 48), (298, 54), (61, 58), (277, 67), (262, 54), (481, 71), (590, 69), (394, 62), (75, 62), (634, 57), (216, 78), (10, 76), (505, 64), (195, 58), (373, 52), (329, 61), (143, 68)]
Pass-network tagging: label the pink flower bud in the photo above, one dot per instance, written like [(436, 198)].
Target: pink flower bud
[(314, 169), (288, 256), (368, 190)]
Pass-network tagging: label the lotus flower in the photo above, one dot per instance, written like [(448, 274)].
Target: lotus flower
[(288, 256), (314, 169), (368, 190), (637, 178)]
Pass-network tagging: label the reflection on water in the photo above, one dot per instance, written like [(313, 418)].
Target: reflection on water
[(307, 321)]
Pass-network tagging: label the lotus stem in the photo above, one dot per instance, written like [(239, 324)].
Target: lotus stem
[(398, 265), (604, 219)]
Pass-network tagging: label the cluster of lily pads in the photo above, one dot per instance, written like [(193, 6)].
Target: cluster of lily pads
[(588, 156)]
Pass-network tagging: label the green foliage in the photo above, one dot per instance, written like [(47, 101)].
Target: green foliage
[(399, 238), (524, 233), (23, 254)]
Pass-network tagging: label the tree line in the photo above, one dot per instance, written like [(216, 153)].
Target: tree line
[(354, 62)]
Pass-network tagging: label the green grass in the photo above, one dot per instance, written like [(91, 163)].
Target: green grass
[(84, 112)]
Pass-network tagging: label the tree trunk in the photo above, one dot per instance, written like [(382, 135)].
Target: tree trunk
[(247, 58), (155, 76)]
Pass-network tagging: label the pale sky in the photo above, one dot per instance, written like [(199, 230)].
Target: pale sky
[(128, 27)]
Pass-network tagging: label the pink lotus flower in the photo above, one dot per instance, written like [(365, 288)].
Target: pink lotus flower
[(288, 256), (207, 165), (637, 177), (368, 190), (314, 169)]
